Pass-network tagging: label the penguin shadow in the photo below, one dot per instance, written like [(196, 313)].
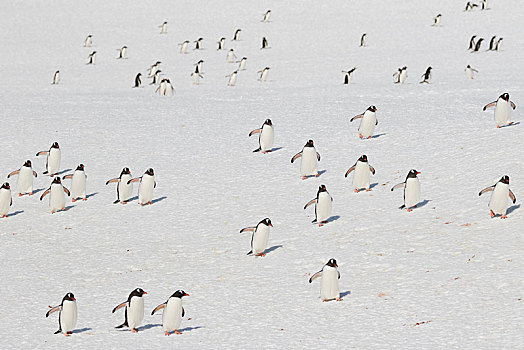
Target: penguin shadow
[(91, 195), (275, 247), (509, 211), (423, 203), (343, 294), (378, 135), (189, 329), (63, 171), (158, 199), (148, 326), (81, 330), (372, 186), (15, 213), (132, 199), (319, 173), (38, 190), (333, 218), (68, 207), (507, 126), (276, 149)]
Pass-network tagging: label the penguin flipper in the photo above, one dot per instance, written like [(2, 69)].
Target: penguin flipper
[(112, 180), (70, 176), (512, 104), (58, 331), (250, 252), (372, 170), (376, 122), (356, 117), (400, 185), (119, 306), (256, 131), (258, 149), (402, 206), (248, 229), (44, 194), (338, 274), (487, 189), (35, 174), (117, 201), (313, 201), (512, 196), (349, 171), (136, 179), (53, 309), (122, 325), (318, 156), (296, 156), (489, 105), (46, 172), (42, 153), (315, 276), (161, 306), (183, 312), (67, 191), (12, 173)]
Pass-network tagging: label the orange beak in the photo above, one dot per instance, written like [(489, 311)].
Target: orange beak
[(418, 172), (271, 225), (186, 295)]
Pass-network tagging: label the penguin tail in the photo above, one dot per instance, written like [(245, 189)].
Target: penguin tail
[(117, 201), (122, 325), (402, 206), (257, 150)]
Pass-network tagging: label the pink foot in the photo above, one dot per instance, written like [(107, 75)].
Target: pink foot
[(355, 190)]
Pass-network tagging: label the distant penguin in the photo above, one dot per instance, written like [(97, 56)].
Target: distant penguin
[(361, 176), (156, 77), (484, 5), (232, 78), (173, 312), (146, 186), (122, 52), (168, 90), (183, 46), (134, 310), (310, 158), (67, 314), (329, 286), (265, 138), (56, 195), (138, 80), (368, 122), (478, 44), (163, 28), (469, 71), (401, 74), (236, 37), (52, 165), (152, 70), (242, 63), (6, 200), (25, 174), (411, 190), (78, 183), (161, 89), (263, 74), (91, 58), (426, 76), (498, 204), (322, 206), (56, 78), (198, 67), (198, 44), (492, 43), (89, 41), (499, 44), (124, 189), (470, 6), (347, 75), (363, 40), (196, 78), (267, 15), (221, 44), (503, 107), (264, 43), (436, 20), (259, 238), (230, 57), (472, 43)]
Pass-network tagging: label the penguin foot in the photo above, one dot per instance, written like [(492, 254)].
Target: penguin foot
[(73, 200), (166, 333), (498, 126), (30, 193), (360, 135), (149, 203), (20, 195), (134, 330), (70, 332), (368, 189), (317, 174), (260, 254), (503, 217), (338, 299), (356, 190), (177, 332), (304, 177), (369, 137), (4, 216), (320, 224), (124, 202), (52, 211), (409, 209), (492, 213), (510, 123), (84, 199), (67, 334)]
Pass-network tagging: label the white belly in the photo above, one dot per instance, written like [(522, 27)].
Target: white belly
[(502, 112), (135, 312), (329, 284), (263, 77), (53, 161), (361, 177), (403, 76), (56, 78), (195, 78), (145, 189), (323, 207), (412, 192), (230, 57), (125, 191), (367, 125), (267, 137), (169, 91), (309, 163), (242, 65), (469, 73), (232, 80), (162, 89), (123, 53), (25, 180), (172, 316), (183, 48), (5, 201), (499, 199), (260, 239), (68, 316), (56, 197), (78, 185)]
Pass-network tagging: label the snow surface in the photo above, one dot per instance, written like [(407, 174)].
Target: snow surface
[(446, 263)]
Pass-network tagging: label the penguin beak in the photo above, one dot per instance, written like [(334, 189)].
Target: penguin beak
[(336, 265), (271, 225), (418, 172), (186, 294), (74, 299), (145, 292)]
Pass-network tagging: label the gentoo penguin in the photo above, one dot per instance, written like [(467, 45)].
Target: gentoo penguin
[(196, 78), (436, 20), (402, 74), (52, 164), (221, 44), (122, 52), (56, 78), (152, 70), (329, 285), (67, 314), (146, 186), (173, 312), (264, 43), (198, 44), (123, 188), (492, 43), (198, 67), (266, 137), (470, 6), (89, 41), (5, 199), (56, 195), (310, 159), (263, 74), (259, 237), (78, 183), (242, 64), (472, 42), (361, 176), (363, 40), (498, 204), (168, 88), (24, 184), (232, 78), (237, 35), (478, 44), (156, 77), (368, 122), (138, 80), (163, 28), (426, 75), (347, 75), (134, 310), (469, 71), (411, 190), (91, 58), (230, 57), (484, 5), (266, 16), (183, 46), (161, 89), (503, 108), (322, 206), (499, 43)]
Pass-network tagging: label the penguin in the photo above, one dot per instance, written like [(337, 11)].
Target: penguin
[(236, 37), (134, 310), (5, 199), (329, 285), (242, 64), (426, 75), (173, 312), (361, 177), (411, 190), (503, 107), (78, 183), (221, 44), (89, 41), (67, 314), (499, 43), (368, 122), (472, 42), (230, 57), (163, 28), (322, 206), (232, 78), (266, 137), (198, 66), (492, 43), (91, 58), (484, 5), (122, 52), (259, 237), (152, 70), (310, 159), (156, 77), (56, 195), (264, 43), (123, 188), (267, 15), (169, 90), (478, 44), (198, 44), (196, 78), (347, 75), (498, 203), (470, 6), (146, 186), (436, 20), (138, 80), (263, 74), (469, 71), (56, 78), (363, 40), (25, 174), (52, 165), (401, 74), (183, 47)]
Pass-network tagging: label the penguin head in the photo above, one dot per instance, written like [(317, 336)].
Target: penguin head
[(69, 296), (505, 179), (332, 262), (179, 294), (413, 173), (468, 66), (150, 172), (157, 63), (137, 293), (309, 144), (322, 188), (57, 180), (55, 145), (57, 72), (27, 163), (363, 158), (268, 122), (266, 222), (125, 171), (238, 30), (505, 97), (200, 39), (372, 108), (80, 167), (6, 186), (201, 61), (231, 50), (124, 47), (139, 75), (404, 68)]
